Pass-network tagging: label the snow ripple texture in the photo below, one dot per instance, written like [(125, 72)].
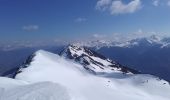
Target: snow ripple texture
[(37, 91)]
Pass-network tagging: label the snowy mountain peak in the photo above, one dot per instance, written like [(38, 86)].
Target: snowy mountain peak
[(48, 76), (155, 37), (93, 61), (29, 60)]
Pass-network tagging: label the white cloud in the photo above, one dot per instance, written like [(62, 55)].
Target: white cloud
[(99, 36), (110, 37), (168, 3), (155, 2), (30, 27), (139, 32), (103, 4), (161, 2), (80, 20), (118, 7)]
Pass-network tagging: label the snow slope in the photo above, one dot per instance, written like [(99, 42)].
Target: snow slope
[(37, 91), (82, 85), (8, 83), (12, 89)]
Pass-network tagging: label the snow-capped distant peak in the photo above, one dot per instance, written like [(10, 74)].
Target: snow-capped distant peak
[(151, 40), (93, 61), (154, 39)]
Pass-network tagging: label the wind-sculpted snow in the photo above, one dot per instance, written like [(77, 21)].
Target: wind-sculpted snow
[(47, 76), (81, 85), (8, 83), (37, 91)]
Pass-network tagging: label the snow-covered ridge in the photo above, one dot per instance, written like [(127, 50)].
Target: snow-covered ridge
[(48, 76), (94, 61)]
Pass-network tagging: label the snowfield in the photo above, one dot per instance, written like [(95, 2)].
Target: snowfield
[(52, 77), (11, 89), (37, 91)]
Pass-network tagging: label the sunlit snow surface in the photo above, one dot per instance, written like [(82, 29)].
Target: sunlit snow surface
[(37, 91), (51, 77)]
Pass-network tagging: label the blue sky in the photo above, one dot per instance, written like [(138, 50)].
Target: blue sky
[(72, 19)]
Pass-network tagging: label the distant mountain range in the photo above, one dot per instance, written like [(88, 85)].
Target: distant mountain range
[(162, 42), (147, 54)]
